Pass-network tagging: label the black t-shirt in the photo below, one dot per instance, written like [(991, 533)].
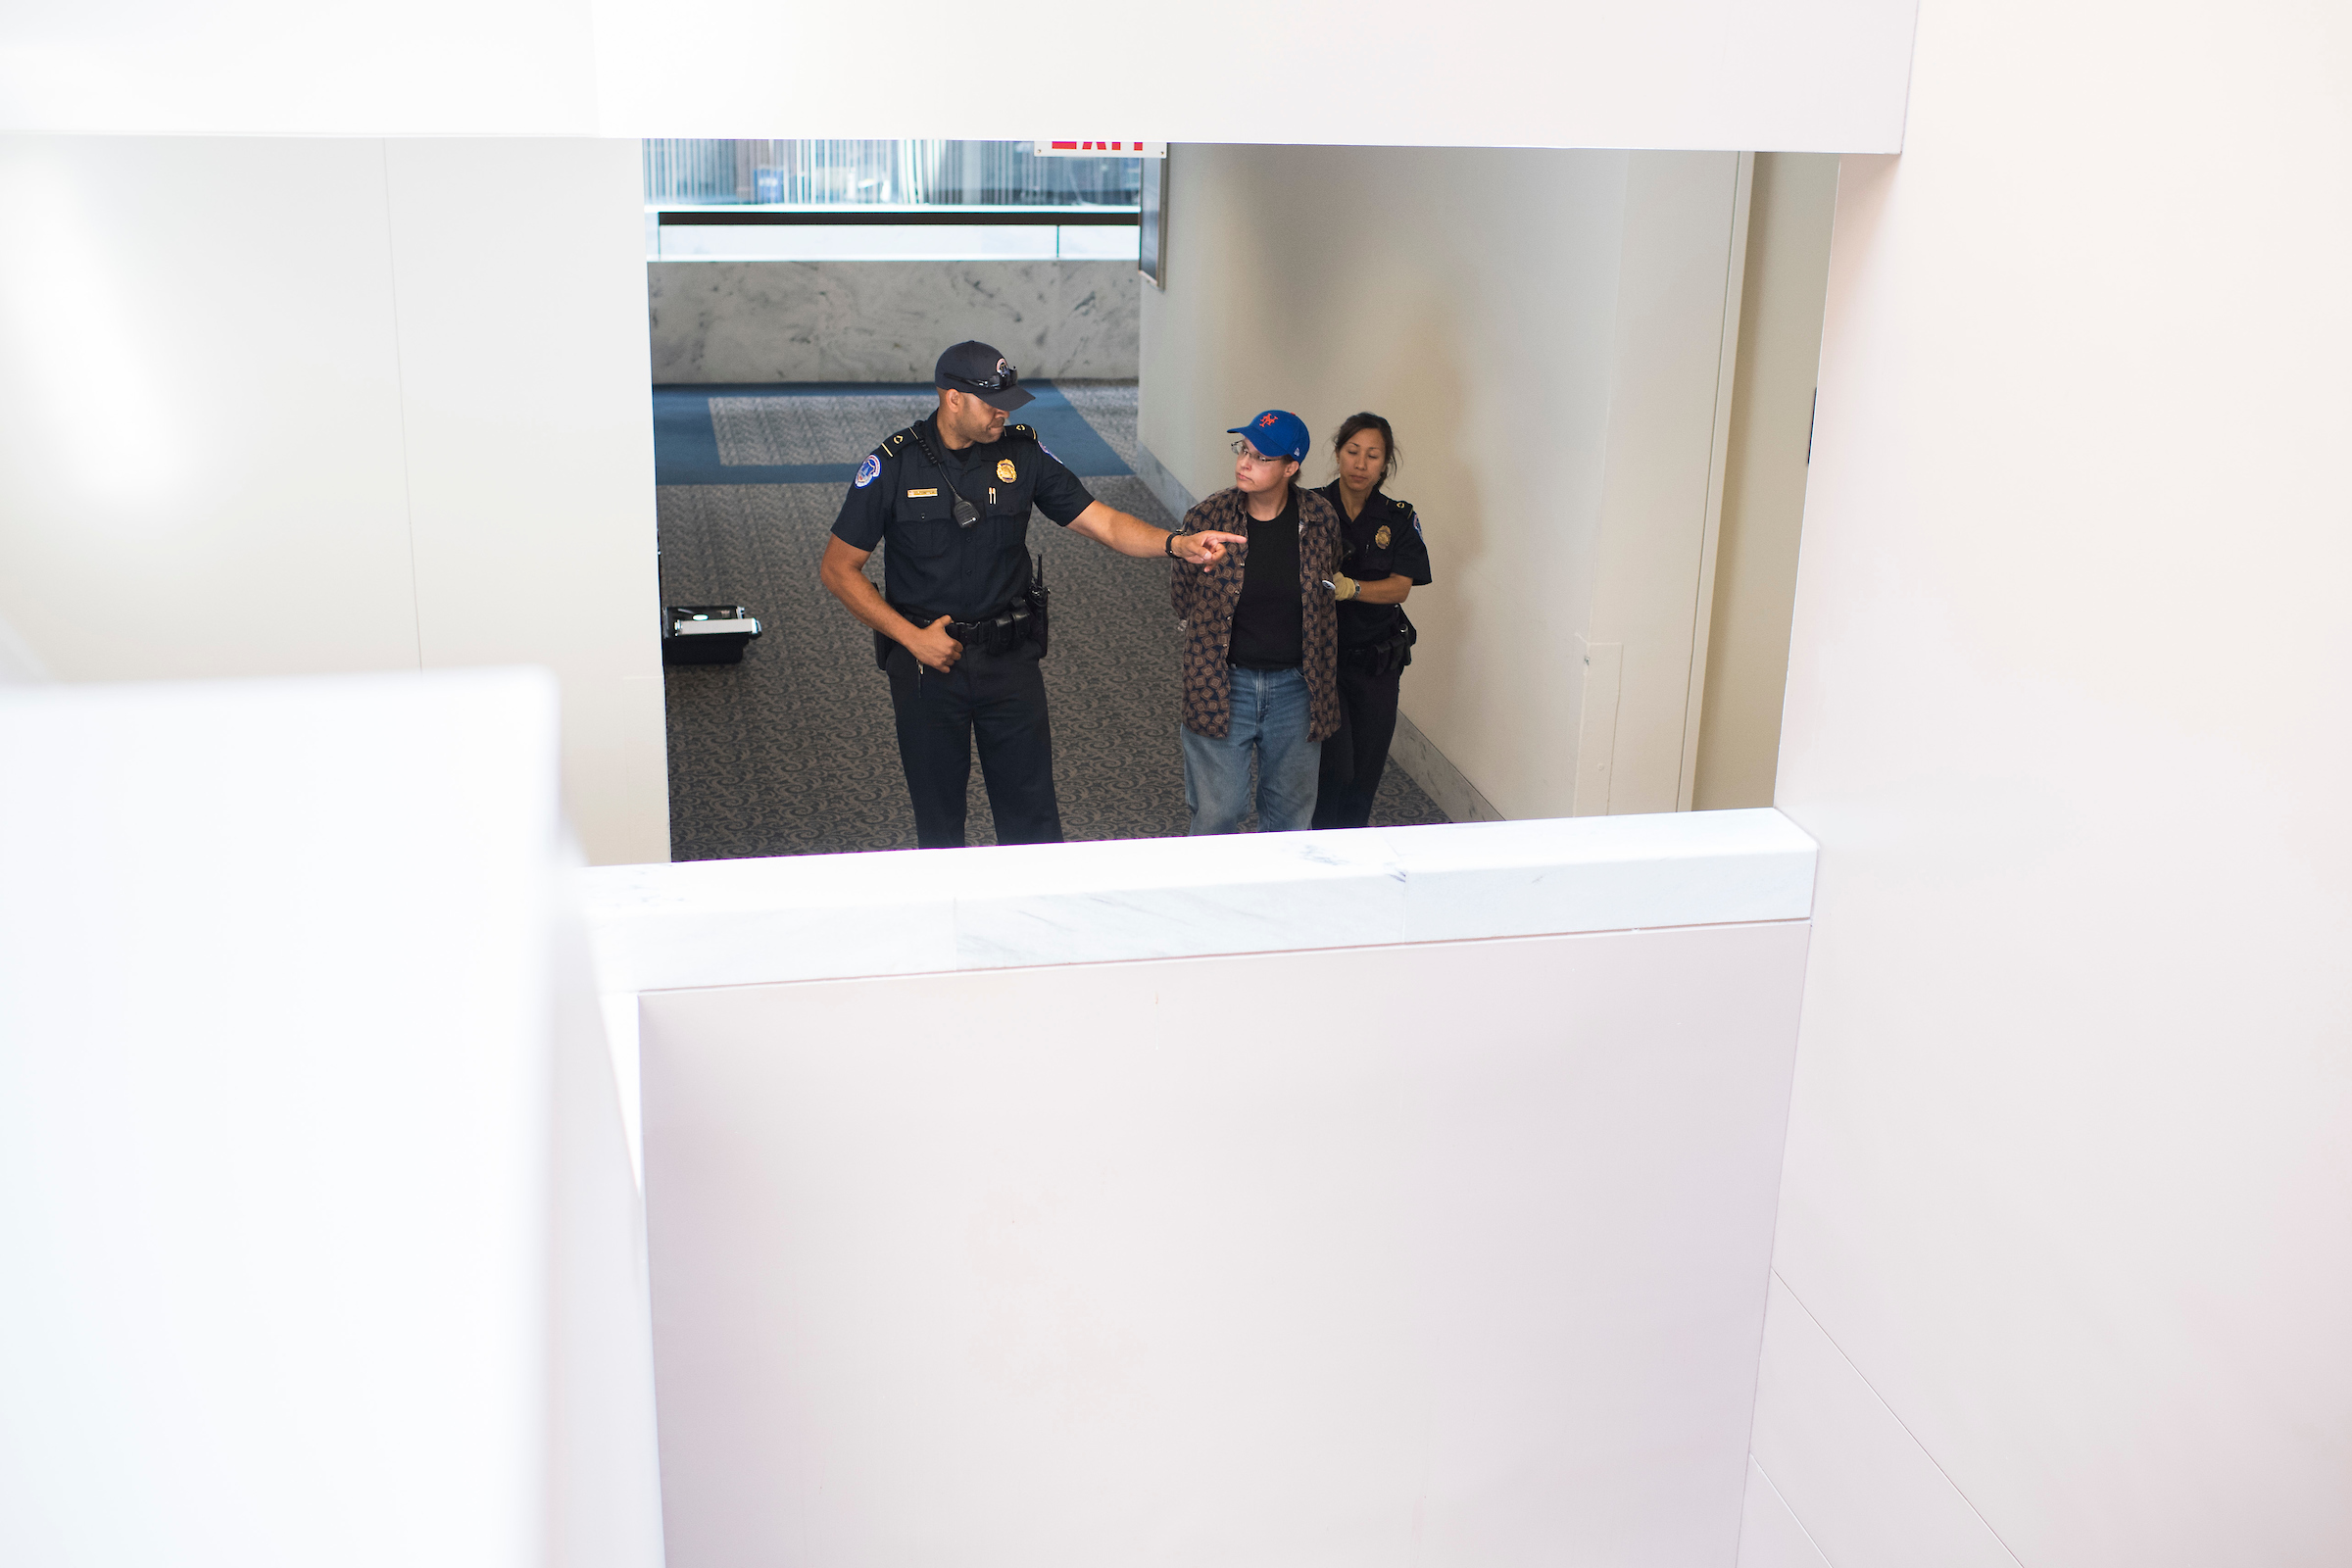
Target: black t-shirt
[(1384, 540), (1269, 623), (901, 502)]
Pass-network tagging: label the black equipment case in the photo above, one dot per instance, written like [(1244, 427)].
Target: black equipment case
[(707, 634)]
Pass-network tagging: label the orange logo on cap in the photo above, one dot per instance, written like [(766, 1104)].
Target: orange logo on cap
[(1265, 418)]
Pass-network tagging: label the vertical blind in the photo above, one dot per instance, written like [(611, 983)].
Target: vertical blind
[(911, 173)]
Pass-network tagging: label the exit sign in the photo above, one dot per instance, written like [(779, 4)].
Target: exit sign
[(1100, 149)]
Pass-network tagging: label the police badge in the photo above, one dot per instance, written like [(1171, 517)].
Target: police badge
[(1380, 537), (1005, 470)]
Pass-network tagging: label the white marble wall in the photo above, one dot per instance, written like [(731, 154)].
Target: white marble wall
[(720, 322), (1001, 1177)]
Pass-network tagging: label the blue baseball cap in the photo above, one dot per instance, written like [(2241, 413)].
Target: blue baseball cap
[(1277, 434)]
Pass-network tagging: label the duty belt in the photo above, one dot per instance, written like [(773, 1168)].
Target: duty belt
[(1008, 628), (1020, 623)]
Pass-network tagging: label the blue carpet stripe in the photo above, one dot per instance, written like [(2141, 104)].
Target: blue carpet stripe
[(686, 447)]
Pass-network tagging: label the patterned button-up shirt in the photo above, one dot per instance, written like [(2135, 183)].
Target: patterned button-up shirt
[(1205, 605)]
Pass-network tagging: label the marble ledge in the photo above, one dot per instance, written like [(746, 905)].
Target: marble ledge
[(837, 916)]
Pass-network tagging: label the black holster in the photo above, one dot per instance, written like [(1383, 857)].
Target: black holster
[(1387, 656), (1039, 595)]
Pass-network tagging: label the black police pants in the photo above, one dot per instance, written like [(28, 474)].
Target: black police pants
[(1355, 757), (998, 699)]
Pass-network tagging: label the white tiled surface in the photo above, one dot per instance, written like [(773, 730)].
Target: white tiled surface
[(1863, 1488), (744, 922)]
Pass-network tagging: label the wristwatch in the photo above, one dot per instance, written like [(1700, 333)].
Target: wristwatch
[(1170, 546)]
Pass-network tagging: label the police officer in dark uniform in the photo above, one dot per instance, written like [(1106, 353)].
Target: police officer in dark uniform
[(959, 623), (1383, 558)]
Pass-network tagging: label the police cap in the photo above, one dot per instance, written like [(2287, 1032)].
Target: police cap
[(979, 370)]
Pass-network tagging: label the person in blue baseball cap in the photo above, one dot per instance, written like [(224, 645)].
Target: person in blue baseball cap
[(1260, 653)]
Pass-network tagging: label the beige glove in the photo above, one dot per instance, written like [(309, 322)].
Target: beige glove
[(1344, 587)]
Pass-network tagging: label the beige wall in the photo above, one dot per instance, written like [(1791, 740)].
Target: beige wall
[(1546, 330), (1789, 212), (400, 423)]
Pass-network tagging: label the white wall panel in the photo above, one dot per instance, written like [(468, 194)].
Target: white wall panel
[(225, 68), (1697, 74), (298, 1126), (520, 279), (282, 407), (1676, 332), (1441, 1254), (1827, 74), (1842, 1464), (201, 463), (603, 1490), (1769, 1534), (2068, 1181), (19, 663), (1768, 458)]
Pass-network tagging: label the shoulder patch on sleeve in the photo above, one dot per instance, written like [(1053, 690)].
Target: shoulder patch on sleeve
[(869, 471)]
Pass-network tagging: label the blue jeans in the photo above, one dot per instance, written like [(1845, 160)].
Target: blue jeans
[(1269, 719)]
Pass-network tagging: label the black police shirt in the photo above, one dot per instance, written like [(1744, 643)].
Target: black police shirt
[(901, 502), (1384, 540)]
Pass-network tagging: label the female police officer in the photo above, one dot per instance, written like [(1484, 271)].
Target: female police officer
[(960, 625), (1383, 559)]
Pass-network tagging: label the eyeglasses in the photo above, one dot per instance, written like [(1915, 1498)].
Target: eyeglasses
[(1008, 376), (1243, 449)]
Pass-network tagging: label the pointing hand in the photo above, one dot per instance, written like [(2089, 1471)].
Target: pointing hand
[(1205, 550)]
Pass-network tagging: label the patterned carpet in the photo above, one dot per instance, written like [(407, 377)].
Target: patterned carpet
[(756, 431), (792, 751)]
